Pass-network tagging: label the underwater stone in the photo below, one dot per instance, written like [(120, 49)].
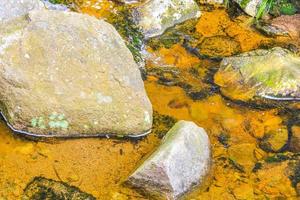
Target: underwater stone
[(274, 141), (295, 139), (14, 8), (155, 16), (62, 71), (270, 74), (218, 47), (181, 162), (42, 188)]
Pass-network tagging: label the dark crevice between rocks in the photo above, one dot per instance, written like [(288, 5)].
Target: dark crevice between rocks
[(257, 167), (233, 9), (195, 51), (162, 124), (276, 158), (291, 47), (295, 176), (263, 144), (256, 104), (174, 35), (224, 138)]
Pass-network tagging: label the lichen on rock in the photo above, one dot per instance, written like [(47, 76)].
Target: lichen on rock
[(75, 66)]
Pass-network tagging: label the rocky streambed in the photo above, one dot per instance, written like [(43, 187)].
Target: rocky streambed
[(223, 122)]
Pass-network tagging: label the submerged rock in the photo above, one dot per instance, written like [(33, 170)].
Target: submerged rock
[(68, 74), (295, 139), (275, 141), (242, 156), (271, 74), (181, 162), (42, 188), (155, 16), (218, 46), (15, 8)]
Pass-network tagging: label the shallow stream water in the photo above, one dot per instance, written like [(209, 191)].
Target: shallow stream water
[(180, 86)]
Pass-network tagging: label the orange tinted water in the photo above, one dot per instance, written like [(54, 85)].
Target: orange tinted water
[(98, 166)]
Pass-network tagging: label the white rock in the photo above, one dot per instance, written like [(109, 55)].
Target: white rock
[(182, 161)]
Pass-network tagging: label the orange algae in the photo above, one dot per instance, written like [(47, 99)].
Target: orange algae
[(218, 23), (97, 8)]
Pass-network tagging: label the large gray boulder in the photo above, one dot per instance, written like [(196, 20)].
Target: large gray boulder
[(272, 74), (67, 74), (155, 16), (182, 161), (15, 8)]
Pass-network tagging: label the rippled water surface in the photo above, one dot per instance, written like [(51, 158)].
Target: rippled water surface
[(180, 86)]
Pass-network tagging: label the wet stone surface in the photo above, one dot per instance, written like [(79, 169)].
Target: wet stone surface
[(87, 76), (271, 74), (181, 162)]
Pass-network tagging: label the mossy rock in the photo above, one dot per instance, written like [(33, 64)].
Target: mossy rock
[(267, 74), (124, 23)]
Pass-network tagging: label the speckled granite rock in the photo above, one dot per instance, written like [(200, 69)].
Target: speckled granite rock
[(155, 16), (180, 162), (71, 75), (14, 8)]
